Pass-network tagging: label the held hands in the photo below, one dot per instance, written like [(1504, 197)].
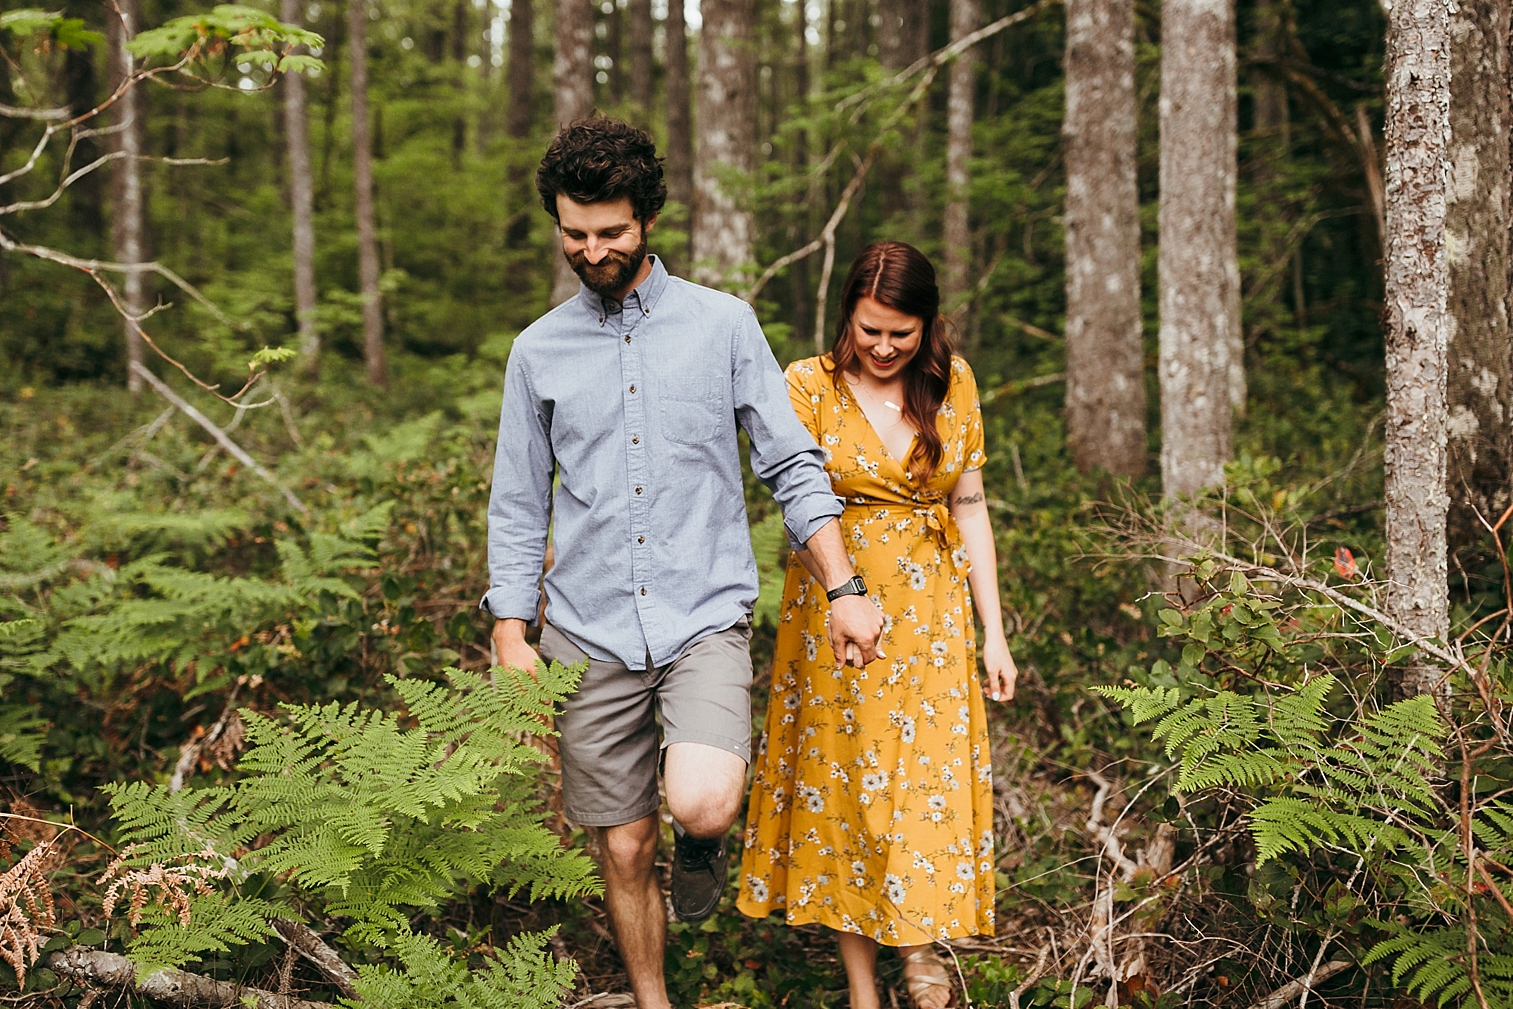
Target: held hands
[(856, 627), (1000, 668)]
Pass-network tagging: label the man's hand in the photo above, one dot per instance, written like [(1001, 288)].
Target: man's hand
[(856, 626), (510, 648)]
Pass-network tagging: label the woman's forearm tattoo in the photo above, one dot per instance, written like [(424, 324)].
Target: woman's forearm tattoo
[(967, 499)]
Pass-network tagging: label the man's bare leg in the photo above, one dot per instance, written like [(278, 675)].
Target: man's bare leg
[(633, 898), (704, 787)]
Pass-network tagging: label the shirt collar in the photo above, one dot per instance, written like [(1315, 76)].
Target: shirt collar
[(644, 297)]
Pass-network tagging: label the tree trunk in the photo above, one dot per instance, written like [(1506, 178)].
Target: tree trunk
[(614, 48), (128, 220), (1480, 377), (1198, 274), (903, 35), (1105, 356), (459, 41), (573, 76), (803, 217), (362, 174), (722, 229), (1417, 291), (957, 235), (301, 200), (679, 130), (522, 70), (639, 13), (520, 117), (1270, 93)]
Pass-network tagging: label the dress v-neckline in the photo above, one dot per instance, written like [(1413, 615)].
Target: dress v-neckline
[(877, 435)]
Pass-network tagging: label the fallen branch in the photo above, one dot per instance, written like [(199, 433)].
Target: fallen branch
[(303, 940), (1294, 989), (170, 987), (236, 451)]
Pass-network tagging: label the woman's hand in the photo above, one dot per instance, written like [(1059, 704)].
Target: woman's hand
[(1000, 667)]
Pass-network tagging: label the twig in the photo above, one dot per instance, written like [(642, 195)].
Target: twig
[(1023, 385), (230, 446), (1294, 989), (167, 987)]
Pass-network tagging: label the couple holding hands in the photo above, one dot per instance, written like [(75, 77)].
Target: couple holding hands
[(871, 810)]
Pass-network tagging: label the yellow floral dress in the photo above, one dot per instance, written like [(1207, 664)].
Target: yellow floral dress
[(872, 809)]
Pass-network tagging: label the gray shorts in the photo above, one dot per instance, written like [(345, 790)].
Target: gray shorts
[(608, 728)]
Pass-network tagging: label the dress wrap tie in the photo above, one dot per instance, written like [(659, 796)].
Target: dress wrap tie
[(933, 513)]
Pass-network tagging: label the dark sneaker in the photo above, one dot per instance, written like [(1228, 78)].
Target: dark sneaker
[(698, 876)]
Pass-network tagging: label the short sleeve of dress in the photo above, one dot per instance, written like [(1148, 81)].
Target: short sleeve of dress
[(974, 454)]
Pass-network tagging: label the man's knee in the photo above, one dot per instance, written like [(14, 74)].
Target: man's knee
[(704, 787), (629, 849)]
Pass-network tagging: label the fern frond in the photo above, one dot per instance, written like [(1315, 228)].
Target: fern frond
[(1143, 703), (1286, 824)]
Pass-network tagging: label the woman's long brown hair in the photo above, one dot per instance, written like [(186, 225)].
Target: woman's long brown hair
[(899, 276)]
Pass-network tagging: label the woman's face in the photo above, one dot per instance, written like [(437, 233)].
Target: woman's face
[(886, 339)]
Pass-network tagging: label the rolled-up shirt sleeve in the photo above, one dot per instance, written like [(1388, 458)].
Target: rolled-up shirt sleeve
[(784, 455), (520, 503)]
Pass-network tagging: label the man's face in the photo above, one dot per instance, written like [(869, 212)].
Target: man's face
[(603, 242)]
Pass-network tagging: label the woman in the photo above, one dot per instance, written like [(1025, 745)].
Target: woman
[(872, 807)]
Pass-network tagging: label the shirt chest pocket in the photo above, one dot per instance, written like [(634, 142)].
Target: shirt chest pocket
[(692, 410)]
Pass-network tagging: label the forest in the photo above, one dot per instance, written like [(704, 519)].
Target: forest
[(1234, 279)]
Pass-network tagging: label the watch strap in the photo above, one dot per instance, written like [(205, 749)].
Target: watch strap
[(854, 586)]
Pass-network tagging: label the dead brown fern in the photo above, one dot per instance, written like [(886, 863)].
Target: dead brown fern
[(26, 906), (172, 887)]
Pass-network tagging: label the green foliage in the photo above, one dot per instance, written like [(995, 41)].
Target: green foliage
[(1349, 798), (200, 37), (67, 32), (372, 818), (523, 975)]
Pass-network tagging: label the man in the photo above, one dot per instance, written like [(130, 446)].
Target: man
[(631, 394)]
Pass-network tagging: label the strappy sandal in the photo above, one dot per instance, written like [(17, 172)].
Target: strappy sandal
[(919, 984)]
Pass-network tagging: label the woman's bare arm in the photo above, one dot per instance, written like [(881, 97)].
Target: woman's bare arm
[(969, 508)]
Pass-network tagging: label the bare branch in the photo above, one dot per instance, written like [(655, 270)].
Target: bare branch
[(168, 987), (12, 112), (303, 940), (1294, 989), (236, 451)]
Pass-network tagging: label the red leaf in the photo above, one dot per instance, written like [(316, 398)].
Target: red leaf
[(1344, 563)]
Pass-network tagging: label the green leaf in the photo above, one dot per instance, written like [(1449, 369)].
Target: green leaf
[(270, 355)]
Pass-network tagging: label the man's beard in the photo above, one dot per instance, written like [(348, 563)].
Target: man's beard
[(609, 277)]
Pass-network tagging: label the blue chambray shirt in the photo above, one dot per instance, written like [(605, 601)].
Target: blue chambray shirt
[(636, 411)]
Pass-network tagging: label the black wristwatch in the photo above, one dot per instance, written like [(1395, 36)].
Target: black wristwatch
[(854, 587)]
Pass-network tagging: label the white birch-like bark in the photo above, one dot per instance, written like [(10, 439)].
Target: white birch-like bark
[(721, 235), (128, 219), (573, 81), (1480, 347), (1417, 289), (362, 182), (1105, 358), (956, 234), (301, 199), (1197, 269)]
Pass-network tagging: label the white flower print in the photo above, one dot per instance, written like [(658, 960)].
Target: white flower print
[(894, 888), (812, 799), (758, 888), (964, 870), (937, 802)]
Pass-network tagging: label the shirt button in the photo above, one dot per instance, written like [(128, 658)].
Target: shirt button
[(643, 590), (640, 539), (627, 339), (638, 490), (632, 388), (635, 441)]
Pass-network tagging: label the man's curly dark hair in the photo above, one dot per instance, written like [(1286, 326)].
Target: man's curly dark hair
[(601, 159)]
